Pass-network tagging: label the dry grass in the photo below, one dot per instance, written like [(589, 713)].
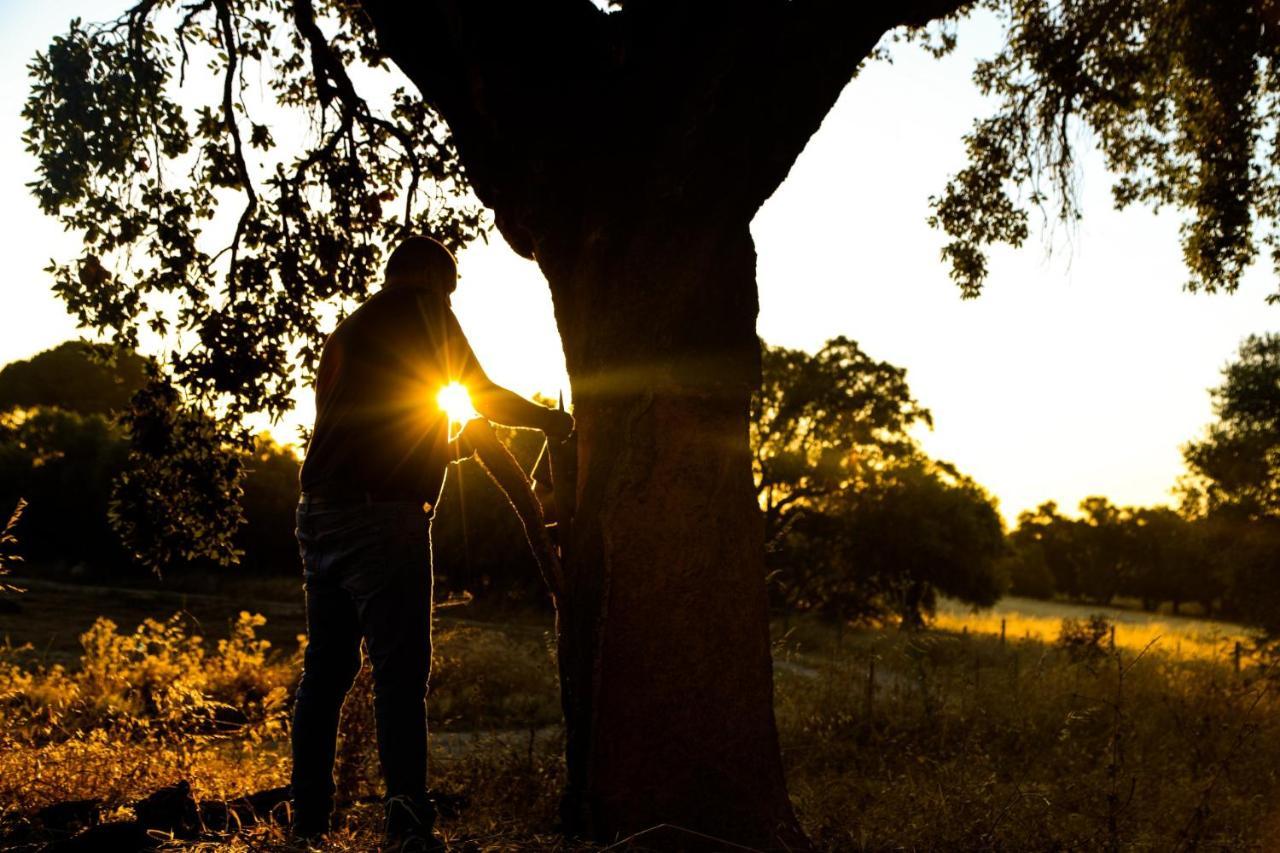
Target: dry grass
[(943, 741), (935, 741), (1027, 618)]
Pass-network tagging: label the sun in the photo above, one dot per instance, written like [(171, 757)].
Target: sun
[(454, 400)]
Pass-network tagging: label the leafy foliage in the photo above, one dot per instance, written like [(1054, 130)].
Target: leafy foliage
[(1235, 467), (918, 529), (178, 500), (819, 420), (146, 178), (1180, 96), (859, 523), (63, 463)]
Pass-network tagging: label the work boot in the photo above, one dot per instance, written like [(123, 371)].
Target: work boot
[(411, 826)]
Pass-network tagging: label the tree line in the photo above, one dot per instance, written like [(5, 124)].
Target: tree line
[(1219, 548), (859, 523), (65, 447)]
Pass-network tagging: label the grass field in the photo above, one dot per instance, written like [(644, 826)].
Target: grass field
[(1135, 630), (931, 741)]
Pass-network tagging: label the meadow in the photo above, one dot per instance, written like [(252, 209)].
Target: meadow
[(1135, 630), (946, 739)]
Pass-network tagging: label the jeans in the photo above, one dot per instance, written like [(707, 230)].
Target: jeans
[(367, 570)]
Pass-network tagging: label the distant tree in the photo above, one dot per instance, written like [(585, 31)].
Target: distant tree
[(270, 500), (1153, 554), (859, 524), (63, 463), (1052, 535), (1103, 549), (1169, 560), (888, 548), (62, 447), (76, 376), (924, 529), (1235, 467), (1028, 570), (66, 464), (820, 421), (1252, 561), (1233, 483)]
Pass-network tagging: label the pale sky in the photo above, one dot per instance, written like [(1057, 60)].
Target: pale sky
[(1076, 373)]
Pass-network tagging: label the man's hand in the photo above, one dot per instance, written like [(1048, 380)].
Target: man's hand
[(559, 425)]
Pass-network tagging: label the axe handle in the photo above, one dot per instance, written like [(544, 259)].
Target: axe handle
[(478, 437)]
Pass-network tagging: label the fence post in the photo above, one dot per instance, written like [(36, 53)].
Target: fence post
[(1113, 636), (871, 688), (1235, 654), (1002, 627)]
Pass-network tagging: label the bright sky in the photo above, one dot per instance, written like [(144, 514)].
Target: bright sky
[(1076, 373)]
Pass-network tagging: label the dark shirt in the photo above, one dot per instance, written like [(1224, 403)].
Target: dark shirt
[(378, 431)]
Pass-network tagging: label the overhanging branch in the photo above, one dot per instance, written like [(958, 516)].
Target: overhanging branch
[(332, 80)]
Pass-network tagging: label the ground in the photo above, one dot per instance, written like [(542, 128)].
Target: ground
[(948, 739)]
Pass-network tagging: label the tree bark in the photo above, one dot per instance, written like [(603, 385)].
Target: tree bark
[(665, 656), (912, 603)]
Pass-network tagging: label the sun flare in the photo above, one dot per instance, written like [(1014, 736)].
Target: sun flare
[(454, 400)]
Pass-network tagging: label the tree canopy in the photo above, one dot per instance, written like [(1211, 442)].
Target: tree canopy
[(1180, 96), (859, 523), (1235, 466), (818, 420), (203, 211), (75, 376)]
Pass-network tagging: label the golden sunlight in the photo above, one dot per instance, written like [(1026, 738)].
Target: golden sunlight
[(454, 400)]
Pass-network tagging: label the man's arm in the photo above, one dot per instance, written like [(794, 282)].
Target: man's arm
[(510, 409), (497, 403)]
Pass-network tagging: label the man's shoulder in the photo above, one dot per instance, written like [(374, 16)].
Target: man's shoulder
[(395, 306), (403, 302)]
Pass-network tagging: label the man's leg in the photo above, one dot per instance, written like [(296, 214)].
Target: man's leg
[(330, 665), (394, 603)]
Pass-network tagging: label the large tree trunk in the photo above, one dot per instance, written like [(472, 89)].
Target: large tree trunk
[(664, 645), (627, 154)]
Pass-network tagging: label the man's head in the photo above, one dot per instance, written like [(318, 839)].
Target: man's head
[(422, 262)]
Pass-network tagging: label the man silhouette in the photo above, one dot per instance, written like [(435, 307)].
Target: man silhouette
[(375, 462)]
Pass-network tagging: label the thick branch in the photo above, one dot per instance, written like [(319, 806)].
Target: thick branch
[(559, 109), (332, 80), (226, 28), (819, 46), (511, 80)]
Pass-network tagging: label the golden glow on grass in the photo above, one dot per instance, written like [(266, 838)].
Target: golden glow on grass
[(454, 400), (1185, 638)]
